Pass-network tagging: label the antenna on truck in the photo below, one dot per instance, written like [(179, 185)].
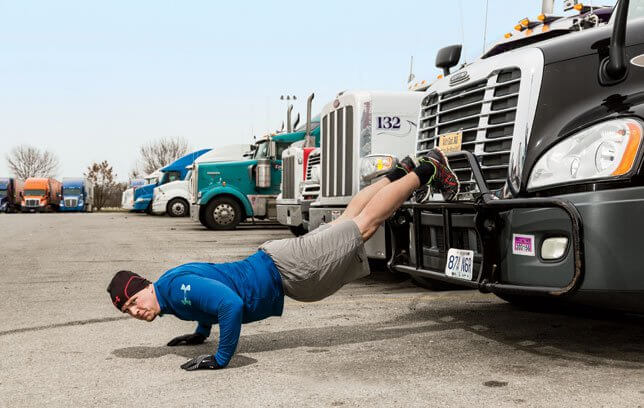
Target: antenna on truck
[(411, 70), (487, 5)]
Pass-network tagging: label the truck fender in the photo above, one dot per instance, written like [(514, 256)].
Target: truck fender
[(248, 208)]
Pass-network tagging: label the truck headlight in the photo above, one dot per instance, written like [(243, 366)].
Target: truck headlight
[(605, 150), (376, 165)]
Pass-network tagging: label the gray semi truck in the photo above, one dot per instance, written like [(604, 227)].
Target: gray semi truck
[(545, 134)]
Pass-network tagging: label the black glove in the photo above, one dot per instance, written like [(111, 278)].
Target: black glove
[(203, 362), (187, 339)]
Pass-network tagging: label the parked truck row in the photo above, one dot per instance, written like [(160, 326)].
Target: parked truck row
[(38, 194)]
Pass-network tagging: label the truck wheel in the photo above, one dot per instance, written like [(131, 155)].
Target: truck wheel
[(177, 207), (222, 214), (298, 231)]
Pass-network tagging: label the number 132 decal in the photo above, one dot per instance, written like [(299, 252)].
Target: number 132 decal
[(388, 122)]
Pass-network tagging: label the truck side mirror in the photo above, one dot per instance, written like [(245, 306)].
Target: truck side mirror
[(448, 57)]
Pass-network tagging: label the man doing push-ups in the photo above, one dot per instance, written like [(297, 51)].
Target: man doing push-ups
[(307, 268)]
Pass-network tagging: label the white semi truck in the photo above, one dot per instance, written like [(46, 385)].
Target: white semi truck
[(358, 127)]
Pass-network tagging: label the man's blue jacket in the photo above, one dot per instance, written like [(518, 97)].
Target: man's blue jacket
[(228, 293)]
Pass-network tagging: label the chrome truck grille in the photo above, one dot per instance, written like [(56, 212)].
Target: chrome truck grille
[(32, 202), (71, 202), (485, 113), (337, 153), (314, 159), (288, 177)]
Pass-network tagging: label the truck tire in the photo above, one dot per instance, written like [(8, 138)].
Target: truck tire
[(223, 213), (178, 207), (298, 231)]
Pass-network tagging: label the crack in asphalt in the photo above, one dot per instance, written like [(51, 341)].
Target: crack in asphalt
[(66, 324)]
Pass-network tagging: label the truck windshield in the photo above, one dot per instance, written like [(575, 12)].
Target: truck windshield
[(171, 176), (72, 191), (34, 192), (262, 151), (3, 193), (636, 9)]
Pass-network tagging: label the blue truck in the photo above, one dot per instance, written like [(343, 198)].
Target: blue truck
[(78, 195), (174, 171), (10, 195)]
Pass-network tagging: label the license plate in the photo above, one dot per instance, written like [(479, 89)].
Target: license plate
[(335, 214), (460, 263), (450, 142)]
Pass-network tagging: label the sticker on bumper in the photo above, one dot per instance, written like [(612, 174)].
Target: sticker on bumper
[(523, 245)]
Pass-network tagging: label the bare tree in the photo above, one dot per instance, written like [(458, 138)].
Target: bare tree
[(160, 153), (105, 187), (27, 161)]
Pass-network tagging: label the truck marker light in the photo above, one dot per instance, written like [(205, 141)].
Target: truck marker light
[(545, 28), (579, 7), (525, 22), (518, 27), (632, 147), (508, 35), (541, 17)]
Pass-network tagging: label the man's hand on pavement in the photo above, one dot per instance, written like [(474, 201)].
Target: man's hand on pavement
[(187, 339), (203, 362)]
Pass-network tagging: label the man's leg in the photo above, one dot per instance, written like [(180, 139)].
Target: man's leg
[(360, 200), (383, 204)]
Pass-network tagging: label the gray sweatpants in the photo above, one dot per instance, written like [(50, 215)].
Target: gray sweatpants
[(319, 263)]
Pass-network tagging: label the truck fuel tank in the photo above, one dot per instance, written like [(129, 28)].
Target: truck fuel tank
[(263, 173)]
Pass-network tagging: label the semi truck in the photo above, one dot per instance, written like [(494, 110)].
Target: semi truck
[(41, 195), (228, 153), (361, 130), (11, 191), (173, 197), (127, 198), (176, 170), (228, 193), (292, 204), (545, 134), (78, 195)]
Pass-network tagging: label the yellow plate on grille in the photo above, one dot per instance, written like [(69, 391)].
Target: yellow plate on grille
[(450, 142)]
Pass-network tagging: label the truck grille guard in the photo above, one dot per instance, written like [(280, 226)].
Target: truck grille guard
[(485, 208)]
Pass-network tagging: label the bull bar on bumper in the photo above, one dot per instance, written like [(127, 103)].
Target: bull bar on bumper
[(485, 208)]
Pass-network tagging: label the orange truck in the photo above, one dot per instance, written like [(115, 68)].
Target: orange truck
[(41, 194)]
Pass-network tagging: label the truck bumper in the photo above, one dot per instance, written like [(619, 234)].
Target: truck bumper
[(141, 205), (601, 265), (194, 212), (289, 214), (376, 247), (159, 207)]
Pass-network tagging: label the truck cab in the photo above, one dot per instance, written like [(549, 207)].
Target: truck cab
[(358, 129), (78, 195), (228, 193), (11, 191), (127, 198), (143, 196), (171, 195), (41, 194), (545, 134)]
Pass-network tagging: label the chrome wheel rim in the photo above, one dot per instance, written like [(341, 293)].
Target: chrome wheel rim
[(224, 214), (178, 209)]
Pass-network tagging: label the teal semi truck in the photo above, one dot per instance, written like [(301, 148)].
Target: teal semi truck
[(228, 193)]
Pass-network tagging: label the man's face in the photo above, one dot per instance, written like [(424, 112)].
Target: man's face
[(143, 305)]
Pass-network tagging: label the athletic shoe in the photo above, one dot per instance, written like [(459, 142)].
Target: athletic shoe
[(443, 181)]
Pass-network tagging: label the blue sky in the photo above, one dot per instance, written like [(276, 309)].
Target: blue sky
[(94, 80)]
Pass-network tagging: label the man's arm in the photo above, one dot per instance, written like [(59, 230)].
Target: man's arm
[(216, 299)]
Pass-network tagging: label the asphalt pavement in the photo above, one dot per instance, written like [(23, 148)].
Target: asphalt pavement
[(380, 341)]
